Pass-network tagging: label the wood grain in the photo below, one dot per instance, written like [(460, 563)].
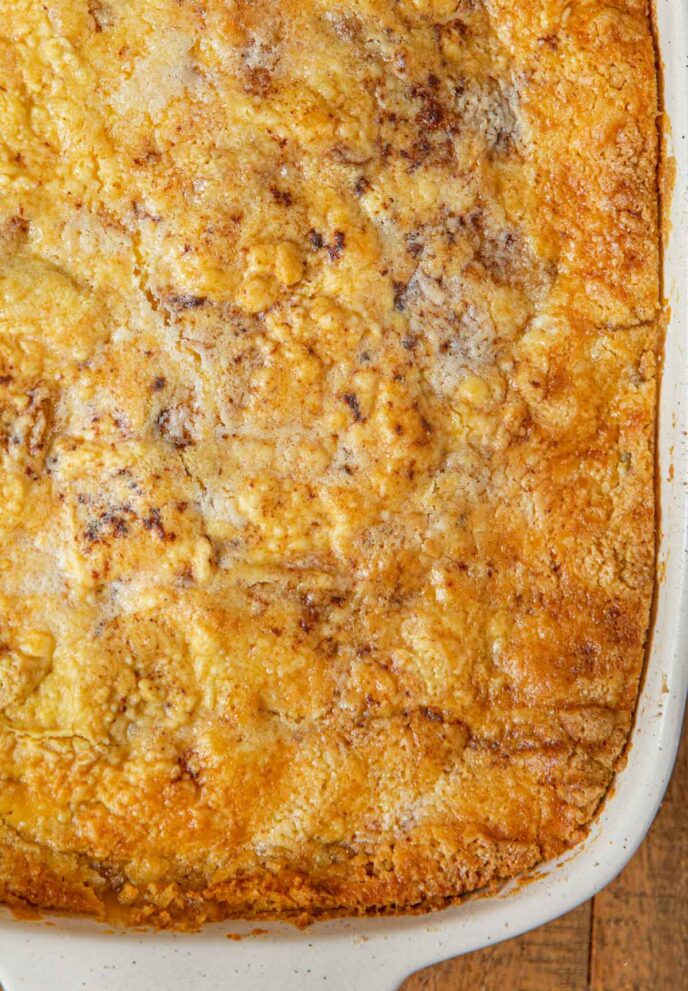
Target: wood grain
[(552, 958), (632, 937)]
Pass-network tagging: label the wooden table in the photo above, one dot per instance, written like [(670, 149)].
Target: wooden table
[(633, 936)]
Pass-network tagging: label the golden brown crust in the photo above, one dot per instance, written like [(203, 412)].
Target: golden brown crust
[(327, 393)]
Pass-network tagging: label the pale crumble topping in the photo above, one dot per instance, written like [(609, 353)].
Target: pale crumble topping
[(327, 395)]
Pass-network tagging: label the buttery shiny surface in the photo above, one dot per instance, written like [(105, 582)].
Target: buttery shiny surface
[(327, 390)]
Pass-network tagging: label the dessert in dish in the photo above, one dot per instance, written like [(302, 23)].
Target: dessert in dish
[(328, 347)]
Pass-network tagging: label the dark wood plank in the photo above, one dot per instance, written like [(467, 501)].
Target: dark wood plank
[(640, 925), (552, 958)]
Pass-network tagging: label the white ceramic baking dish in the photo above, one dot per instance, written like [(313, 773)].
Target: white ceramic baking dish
[(377, 954)]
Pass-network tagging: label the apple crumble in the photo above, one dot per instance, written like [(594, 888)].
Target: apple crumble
[(328, 349)]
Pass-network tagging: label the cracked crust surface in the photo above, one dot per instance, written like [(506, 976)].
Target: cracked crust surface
[(328, 343)]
